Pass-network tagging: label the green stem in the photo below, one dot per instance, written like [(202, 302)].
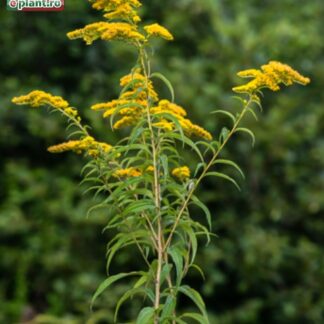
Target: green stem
[(156, 190)]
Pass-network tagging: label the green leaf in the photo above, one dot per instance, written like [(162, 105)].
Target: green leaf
[(190, 143), (141, 281), (180, 321), (224, 176), (109, 281), (251, 111), (192, 238), (125, 239), (165, 272), (196, 298), (138, 206), (201, 205), (196, 267), (231, 163), (246, 130), (128, 294), (198, 167), (226, 113), (166, 81), (223, 135), (208, 146), (257, 101), (168, 309), (176, 256), (199, 318), (165, 165), (146, 316)]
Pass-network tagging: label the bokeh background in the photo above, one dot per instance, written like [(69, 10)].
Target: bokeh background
[(267, 264)]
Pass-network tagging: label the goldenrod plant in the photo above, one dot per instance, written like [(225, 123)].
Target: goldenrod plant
[(142, 179)]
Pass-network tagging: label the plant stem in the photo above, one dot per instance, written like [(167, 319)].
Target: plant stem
[(156, 190)]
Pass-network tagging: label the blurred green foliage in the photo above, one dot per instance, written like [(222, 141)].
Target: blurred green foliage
[(267, 265)]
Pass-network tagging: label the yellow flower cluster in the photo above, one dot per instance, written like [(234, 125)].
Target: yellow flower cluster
[(137, 81), (150, 168), (164, 124), (169, 107), (87, 144), (123, 19), (182, 173), (132, 103), (195, 130), (122, 9), (126, 173), (165, 106), (125, 121), (107, 31), (39, 98), (158, 31), (270, 76)]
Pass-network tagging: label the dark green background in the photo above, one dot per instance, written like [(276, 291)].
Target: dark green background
[(267, 264)]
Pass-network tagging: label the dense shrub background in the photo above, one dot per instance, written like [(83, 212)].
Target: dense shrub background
[(267, 265)]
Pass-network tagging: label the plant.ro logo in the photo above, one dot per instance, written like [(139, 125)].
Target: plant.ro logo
[(35, 5)]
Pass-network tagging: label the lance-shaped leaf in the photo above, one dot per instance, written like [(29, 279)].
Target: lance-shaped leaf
[(129, 294), (190, 143), (224, 176), (231, 163), (168, 309), (197, 299), (200, 204), (166, 81), (146, 316), (177, 259), (226, 113), (199, 318), (109, 281), (246, 130)]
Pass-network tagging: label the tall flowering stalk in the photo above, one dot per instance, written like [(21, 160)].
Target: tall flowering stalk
[(143, 178)]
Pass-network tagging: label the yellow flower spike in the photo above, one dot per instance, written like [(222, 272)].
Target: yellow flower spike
[(250, 73), (107, 31), (109, 104), (118, 9), (109, 112), (125, 173), (124, 122), (201, 132), (139, 81), (136, 75), (181, 173), (39, 98), (108, 5), (165, 106), (164, 124), (130, 111), (124, 12), (270, 76), (150, 169), (168, 106), (87, 144), (67, 146), (158, 31)]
